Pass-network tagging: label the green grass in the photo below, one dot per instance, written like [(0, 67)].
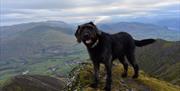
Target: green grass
[(158, 85)]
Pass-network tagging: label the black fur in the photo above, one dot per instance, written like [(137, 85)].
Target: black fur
[(143, 42), (108, 48)]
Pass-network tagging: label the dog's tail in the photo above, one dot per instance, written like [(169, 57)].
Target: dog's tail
[(144, 42)]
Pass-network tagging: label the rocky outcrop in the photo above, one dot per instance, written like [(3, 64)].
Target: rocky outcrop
[(34, 83)]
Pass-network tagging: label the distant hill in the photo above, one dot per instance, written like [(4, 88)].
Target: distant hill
[(9, 31), (31, 39), (171, 23), (141, 30)]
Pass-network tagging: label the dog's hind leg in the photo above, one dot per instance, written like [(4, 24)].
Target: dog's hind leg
[(132, 61), (125, 65)]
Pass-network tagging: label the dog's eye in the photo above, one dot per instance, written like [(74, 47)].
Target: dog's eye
[(90, 27)]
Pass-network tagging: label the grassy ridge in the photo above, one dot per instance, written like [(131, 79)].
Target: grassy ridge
[(84, 77)]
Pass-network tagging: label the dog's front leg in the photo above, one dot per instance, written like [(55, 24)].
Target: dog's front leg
[(108, 66), (96, 75)]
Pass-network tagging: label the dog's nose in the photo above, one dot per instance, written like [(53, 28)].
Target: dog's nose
[(86, 35)]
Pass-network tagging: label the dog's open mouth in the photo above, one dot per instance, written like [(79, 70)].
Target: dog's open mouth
[(88, 41)]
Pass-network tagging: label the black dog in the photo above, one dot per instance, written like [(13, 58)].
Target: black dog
[(104, 48)]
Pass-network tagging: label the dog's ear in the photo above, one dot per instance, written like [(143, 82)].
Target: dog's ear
[(92, 23), (77, 34), (97, 30)]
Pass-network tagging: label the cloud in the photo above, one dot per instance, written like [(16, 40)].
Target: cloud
[(51, 4), (76, 11)]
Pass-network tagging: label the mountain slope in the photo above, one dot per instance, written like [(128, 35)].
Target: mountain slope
[(82, 77), (30, 38), (161, 59)]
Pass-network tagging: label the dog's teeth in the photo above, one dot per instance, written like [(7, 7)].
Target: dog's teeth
[(88, 41)]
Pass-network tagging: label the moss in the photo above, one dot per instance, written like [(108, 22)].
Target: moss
[(158, 85), (84, 77)]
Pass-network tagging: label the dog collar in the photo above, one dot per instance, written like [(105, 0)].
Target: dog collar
[(95, 44)]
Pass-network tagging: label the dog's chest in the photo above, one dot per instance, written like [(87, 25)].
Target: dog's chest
[(98, 55)]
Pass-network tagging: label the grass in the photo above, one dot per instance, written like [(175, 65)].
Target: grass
[(158, 85)]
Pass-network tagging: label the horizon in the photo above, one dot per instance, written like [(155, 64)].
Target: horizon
[(79, 11)]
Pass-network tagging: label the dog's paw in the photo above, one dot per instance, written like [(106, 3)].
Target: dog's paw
[(94, 85), (135, 76), (124, 75)]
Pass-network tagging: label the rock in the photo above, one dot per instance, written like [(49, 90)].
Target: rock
[(34, 83)]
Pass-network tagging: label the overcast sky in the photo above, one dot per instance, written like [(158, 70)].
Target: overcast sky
[(78, 11)]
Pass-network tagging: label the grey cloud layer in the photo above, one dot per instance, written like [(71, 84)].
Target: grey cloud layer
[(51, 4), (14, 11)]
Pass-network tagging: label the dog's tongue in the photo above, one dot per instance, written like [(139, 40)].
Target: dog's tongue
[(88, 41)]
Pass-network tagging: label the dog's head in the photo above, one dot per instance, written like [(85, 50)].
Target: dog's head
[(87, 33)]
